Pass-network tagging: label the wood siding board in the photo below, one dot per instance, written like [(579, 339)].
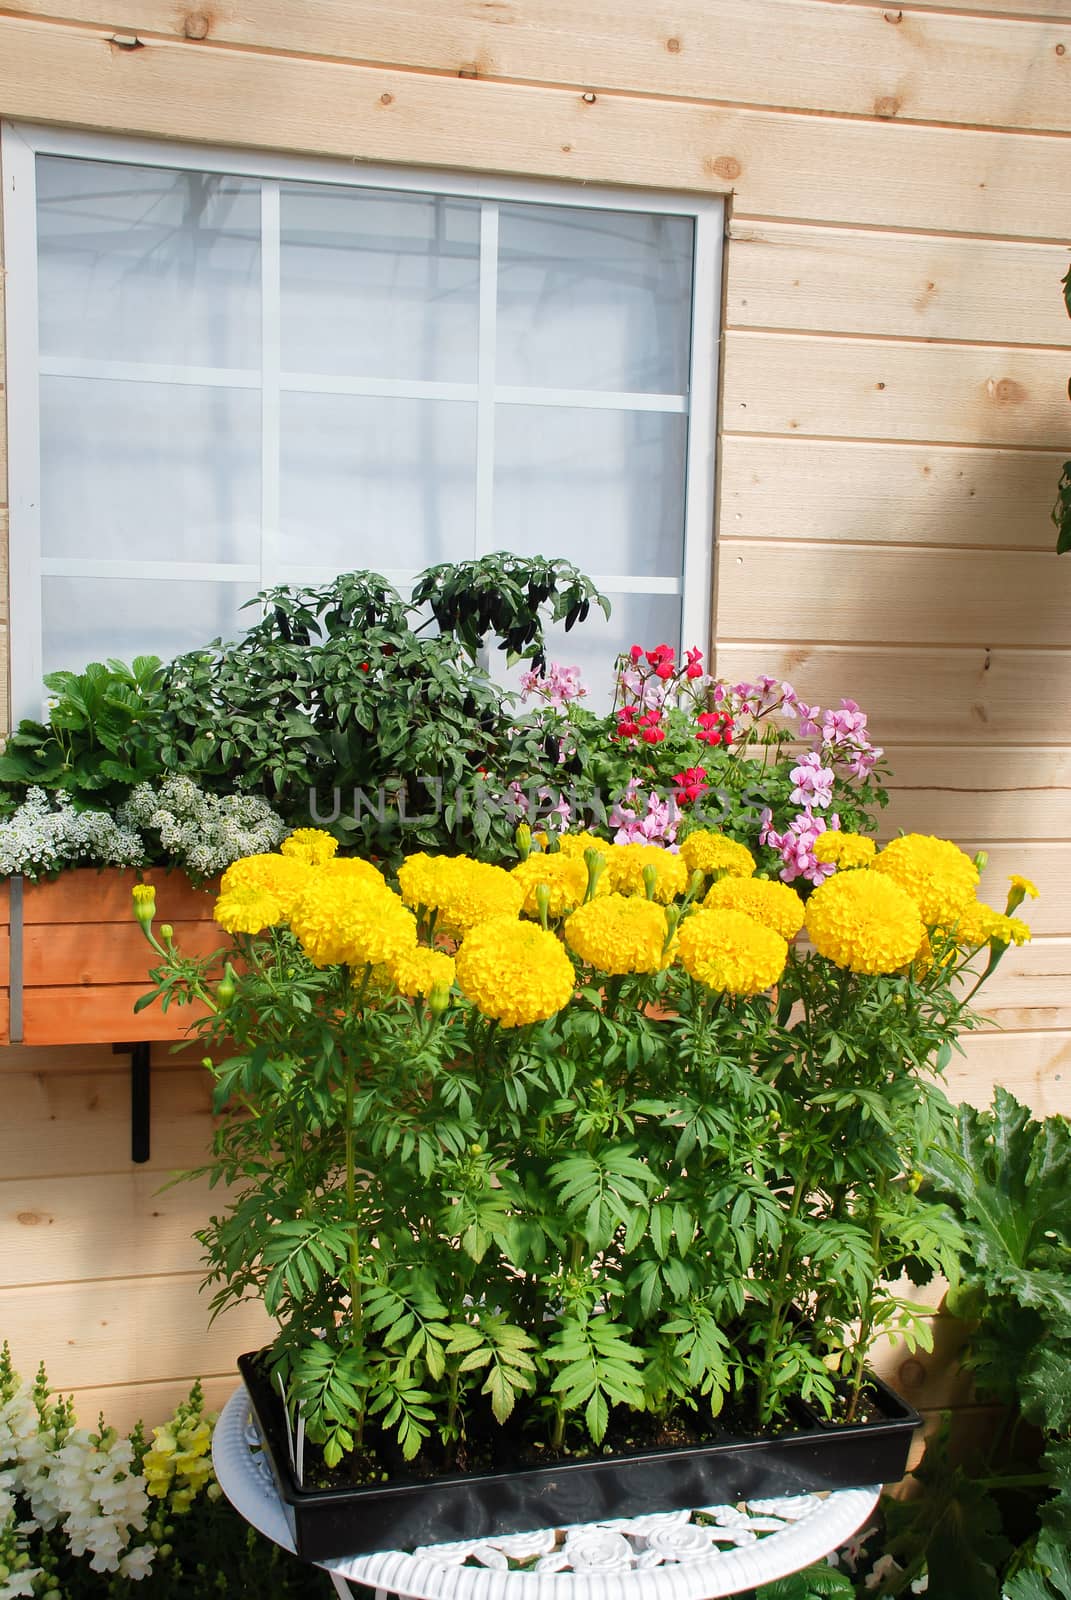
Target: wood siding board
[(109, 1225), (887, 493), (126, 1329), (913, 596), (795, 167), (1031, 10), (1035, 1067), (833, 387), (835, 280), (1034, 977), (964, 695), (125, 1404), (803, 56), (64, 1124), (979, 791)]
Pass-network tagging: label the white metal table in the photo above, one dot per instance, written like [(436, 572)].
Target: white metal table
[(663, 1556)]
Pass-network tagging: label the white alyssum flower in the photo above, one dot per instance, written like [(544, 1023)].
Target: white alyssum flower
[(203, 832), (47, 832)]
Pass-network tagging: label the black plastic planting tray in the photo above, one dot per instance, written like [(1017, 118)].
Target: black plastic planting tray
[(401, 1515)]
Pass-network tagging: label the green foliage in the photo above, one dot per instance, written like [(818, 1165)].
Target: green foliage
[(335, 709), (503, 594), (815, 1583), (1048, 1576), (99, 740), (578, 1221), (1001, 1527)]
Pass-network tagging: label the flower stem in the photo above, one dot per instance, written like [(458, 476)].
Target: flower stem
[(780, 1300)]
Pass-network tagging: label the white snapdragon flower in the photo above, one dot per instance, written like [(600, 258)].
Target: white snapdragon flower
[(104, 1501)]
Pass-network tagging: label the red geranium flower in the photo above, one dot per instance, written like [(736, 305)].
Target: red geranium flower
[(690, 784)]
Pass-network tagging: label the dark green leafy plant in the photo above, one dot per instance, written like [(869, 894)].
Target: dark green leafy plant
[(99, 741), (815, 1583), (339, 712), (1002, 1527), (503, 595)]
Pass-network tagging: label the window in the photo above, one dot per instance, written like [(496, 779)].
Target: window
[(230, 371)]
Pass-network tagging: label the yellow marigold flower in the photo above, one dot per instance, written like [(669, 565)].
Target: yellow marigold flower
[(311, 845), (247, 909), (975, 925), (936, 873), (575, 844), (731, 952), (419, 971), (353, 869), (422, 879), (566, 878), (463, 892), (618, 933), (1010, 930), (514, 972), (284, 877), (708, 853), (344, 919), (844, 849), (624, 871), (979, 924), (775, 905), (864, 921)]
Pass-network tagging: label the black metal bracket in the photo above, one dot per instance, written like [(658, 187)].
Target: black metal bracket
[(140, 1096)]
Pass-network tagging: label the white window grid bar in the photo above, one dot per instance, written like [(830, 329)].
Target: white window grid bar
[(270, 400), (697, 610), (19, 165), (487, 355), (373, 388), (20, 146), (311, 573)]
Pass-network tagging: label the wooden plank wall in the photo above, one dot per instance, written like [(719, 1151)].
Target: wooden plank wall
[(894, 414)]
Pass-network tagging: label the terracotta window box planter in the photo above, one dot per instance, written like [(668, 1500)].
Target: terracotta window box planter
[(73, 960)]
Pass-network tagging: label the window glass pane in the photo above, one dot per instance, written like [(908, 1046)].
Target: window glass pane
[(367, 482), (605, 488), (594, 646), (149, 471), (379, 285), (146, 264), (594, 299), (89, 619)]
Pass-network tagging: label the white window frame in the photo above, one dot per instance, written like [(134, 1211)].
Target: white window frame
[(21, 143)]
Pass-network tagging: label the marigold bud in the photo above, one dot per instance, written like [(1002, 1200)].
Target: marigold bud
[(144, 903), (225, 987), (523, 840), (438, 999)]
